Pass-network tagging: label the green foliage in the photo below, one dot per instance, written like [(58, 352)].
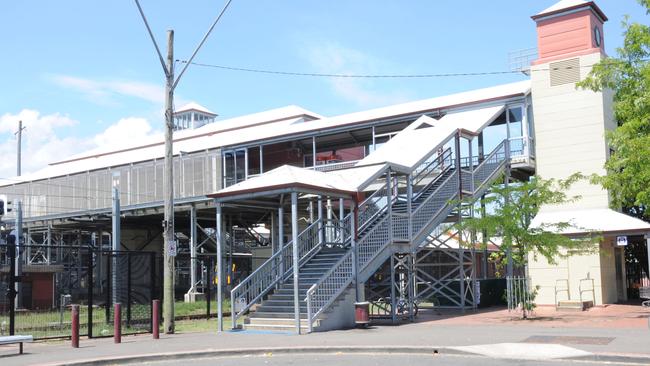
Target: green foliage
[(511, 210), (628, 76)]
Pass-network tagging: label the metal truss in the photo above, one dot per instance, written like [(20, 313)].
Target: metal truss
[(445, 269)]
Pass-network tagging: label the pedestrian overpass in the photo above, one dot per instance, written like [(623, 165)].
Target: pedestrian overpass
[(400, 199)]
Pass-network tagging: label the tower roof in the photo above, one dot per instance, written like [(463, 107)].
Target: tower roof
[(569, 5), (192, 106)]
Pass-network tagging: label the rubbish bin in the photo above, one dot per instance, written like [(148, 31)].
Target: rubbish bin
[(362, 313)]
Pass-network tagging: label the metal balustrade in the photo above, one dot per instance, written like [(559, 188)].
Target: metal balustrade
[(372, 206), (278, 267), (443, 196), (433, 208), (335, 166), (430, 167), (483, 173)]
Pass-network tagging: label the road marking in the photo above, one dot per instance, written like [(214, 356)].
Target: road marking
[(524, 351)]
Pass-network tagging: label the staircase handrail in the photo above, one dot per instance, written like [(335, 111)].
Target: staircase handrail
[(341, 282), (273, 270), (434, 195), (492, 158), (432, 165), (340, 276), (381, 193)]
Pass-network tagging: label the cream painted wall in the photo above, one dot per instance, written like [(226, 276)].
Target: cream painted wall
[(570, 133), (570, 127), (599, 266)]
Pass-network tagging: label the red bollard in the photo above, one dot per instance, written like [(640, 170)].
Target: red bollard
[(155, 311), (117, 323), (75, 326)]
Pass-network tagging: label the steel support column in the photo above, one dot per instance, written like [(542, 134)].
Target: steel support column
[(294, 234), (393, 300), (320, 219), (193, 240), (220, 271), (281, 235), (341, 217)]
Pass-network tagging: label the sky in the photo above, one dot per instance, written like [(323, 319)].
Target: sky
[(83, 74)]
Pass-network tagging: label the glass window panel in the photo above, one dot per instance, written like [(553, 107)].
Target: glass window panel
[(515, 121), (229, 168), (240, 165)]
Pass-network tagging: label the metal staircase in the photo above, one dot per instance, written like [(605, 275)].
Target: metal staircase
[(429, 207), (401, 212)]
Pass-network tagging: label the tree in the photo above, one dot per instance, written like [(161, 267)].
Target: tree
[(509, 215), (628, 76)]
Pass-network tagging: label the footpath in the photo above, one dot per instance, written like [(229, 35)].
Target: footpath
[(616, 333)]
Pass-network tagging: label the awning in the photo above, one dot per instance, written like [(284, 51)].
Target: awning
[(286, 179), (604, 221), (409, 148)]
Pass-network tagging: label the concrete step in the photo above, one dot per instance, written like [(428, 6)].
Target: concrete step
[(275, 315), (574, 305), (282, 303), (279, 309), (277, 324)]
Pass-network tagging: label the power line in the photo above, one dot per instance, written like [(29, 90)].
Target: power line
[(376, 76), (359, 76)]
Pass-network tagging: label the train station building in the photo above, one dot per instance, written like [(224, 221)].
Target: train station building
[(302, 215)]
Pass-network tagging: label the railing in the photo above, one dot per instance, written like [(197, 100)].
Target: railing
[(490, 166), (335, 166), (522, 147), (582, 290), (271, 272), (560, 289), (439, 163), (435, 203), (324, 292), (373, 206), (329, 287), (518, 293), (337, 232)]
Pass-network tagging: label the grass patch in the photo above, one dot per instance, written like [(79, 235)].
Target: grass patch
[(204, 325), (53, 323)]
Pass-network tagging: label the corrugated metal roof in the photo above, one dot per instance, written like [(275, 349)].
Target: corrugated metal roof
[(595, 220), (287, 121)]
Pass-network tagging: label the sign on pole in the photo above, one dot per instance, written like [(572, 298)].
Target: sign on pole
[(621, 241), (171, 250)]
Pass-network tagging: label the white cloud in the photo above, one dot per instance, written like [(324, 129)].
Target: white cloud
[(48, 138), (105, 92), (41, 140), (126, 132), (332, 58)]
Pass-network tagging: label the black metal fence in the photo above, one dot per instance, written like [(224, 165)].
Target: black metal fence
[(52, 278)]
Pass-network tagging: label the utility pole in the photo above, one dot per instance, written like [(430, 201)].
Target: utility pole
[(169, 244), (168, 195), (19, 136)]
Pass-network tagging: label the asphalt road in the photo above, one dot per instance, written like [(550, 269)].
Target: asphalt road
[(364, 360)]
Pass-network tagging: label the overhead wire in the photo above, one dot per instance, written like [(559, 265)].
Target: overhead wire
[(375, 76)]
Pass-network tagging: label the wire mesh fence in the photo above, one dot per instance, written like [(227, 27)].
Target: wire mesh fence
[(50, 279)]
